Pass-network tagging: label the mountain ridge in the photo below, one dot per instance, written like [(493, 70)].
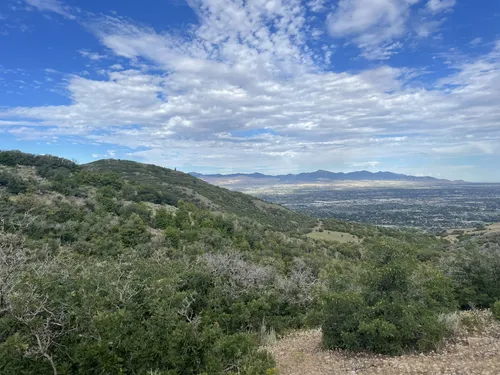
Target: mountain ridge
[(323, 175)]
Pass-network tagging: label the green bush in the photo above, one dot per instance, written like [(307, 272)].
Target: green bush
[(474, 271), (173, 236), (495, 309), (134, 231), (396, 309), (163, 218)]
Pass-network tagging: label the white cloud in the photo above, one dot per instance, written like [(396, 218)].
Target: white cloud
[(476, 41), (373, 24), (94, 56), (317, 5), (55, 6), (378, 26), (437, 6), (365, 164), (248, 69)]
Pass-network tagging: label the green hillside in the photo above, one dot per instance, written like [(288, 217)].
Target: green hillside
[(163, 185), (118, 267)]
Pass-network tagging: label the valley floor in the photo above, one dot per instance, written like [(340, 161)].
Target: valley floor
[(300, 354)]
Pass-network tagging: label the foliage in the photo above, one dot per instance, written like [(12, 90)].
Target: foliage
[(474, 271), (121, 267), (495, 309), (14, 184), (166, 186), (396, 308)]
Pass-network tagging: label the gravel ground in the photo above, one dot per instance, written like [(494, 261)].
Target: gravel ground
[(300, 353)]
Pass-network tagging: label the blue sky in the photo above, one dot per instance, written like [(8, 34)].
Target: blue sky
[(272, 86)]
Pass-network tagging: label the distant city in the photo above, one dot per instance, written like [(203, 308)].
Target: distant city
[(382, 198)]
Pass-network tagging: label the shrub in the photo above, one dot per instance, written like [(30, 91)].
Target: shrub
[(14, 184), (474, 271), (495, 309), (163, 219), (133, 231), (397, 308), (173, 236), (138, 208)]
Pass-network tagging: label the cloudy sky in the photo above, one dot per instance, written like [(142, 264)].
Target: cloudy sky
[(273, 86)]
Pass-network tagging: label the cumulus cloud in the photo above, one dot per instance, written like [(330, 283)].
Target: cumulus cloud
[(245, 88)]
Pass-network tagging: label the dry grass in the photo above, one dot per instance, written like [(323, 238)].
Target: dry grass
[(263, 206), (490, 229), (318, 233), (474, 349), (329, 235)]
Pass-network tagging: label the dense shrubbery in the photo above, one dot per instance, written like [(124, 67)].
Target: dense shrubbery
[(396, 308), (130, 315), (474, 269), (100, 280), (100, 274)]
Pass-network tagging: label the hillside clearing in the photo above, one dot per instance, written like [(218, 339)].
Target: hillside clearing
[(300, 353), (454, 234), (319, 233), (328, 235)]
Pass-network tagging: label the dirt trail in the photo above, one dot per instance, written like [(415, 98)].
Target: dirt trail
[(300, 354)]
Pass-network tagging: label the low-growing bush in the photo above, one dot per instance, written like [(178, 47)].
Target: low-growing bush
[(495, 309), (397, 308), (474, 271)]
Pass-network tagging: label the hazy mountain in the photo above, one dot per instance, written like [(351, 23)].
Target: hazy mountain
[(320, 176)]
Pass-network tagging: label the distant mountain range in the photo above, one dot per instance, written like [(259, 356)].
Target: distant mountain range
[(318, 176)]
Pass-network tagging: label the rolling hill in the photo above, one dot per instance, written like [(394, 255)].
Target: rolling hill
[(164, 182)]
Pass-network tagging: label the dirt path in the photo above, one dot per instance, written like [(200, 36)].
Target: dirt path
[(300, 354)]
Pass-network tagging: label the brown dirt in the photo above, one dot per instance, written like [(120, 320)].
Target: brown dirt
[(490, 229), (300, 353)]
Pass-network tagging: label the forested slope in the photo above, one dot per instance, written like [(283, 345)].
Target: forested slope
[(119, 267)]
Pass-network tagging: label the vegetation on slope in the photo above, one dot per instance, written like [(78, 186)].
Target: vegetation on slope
[(119, 267), (168, 186)]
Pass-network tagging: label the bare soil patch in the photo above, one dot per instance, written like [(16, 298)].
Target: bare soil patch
[(300, 353)]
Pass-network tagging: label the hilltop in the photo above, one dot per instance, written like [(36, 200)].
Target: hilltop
[(163, 185)]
